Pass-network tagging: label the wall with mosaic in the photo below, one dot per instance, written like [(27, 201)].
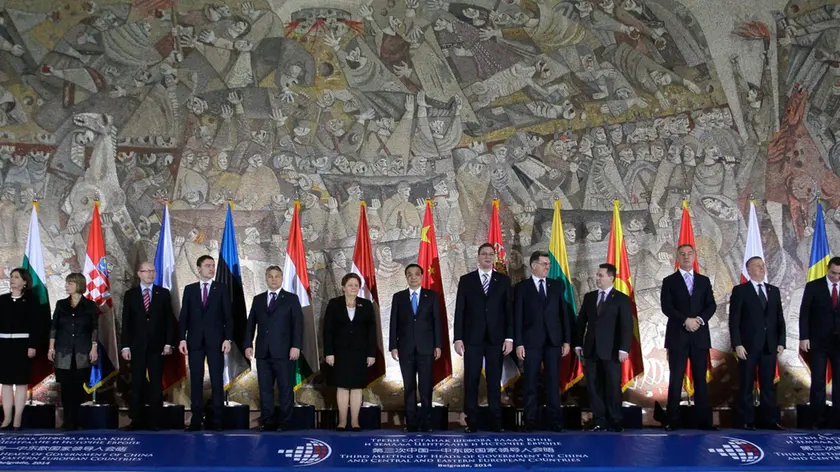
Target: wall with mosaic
[(650, 102)]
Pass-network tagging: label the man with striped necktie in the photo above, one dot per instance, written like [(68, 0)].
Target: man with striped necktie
[(483, 334), (148, 334)]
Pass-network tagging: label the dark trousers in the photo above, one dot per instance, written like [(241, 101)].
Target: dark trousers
[(282, 372), (144, 360), (473, 357), (216, 364), (416, 370), (603, 381), (548, 358), (819, 359), (72, 382), (677, 359), (766, 364)]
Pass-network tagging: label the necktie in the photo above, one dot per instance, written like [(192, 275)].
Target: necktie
[(601, 297), (204, 295), (414, 303), (834, 296), (147, 299), (689, 282), (272, 298), (542, 289), (485, 283), (762, 297)]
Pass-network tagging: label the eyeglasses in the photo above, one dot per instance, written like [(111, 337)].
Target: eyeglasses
[(146, 270)]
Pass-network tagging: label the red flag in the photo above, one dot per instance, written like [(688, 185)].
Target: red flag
[(363, 267), (510, 371), (617, 256), (429, 261), (687, 237)]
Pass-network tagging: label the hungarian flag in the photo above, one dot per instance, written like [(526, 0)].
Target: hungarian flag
[(817, 265), (33, 262), (687, 237), (754, 248), (296, 280), (571, 369), (429, 261), (98, 290), (229, 273), (617, 256), (174, 365), (363, 267), (510, 370)]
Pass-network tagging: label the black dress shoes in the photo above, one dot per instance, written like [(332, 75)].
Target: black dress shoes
[(470, 429), (193, 427), (267, 427), (617, 428), (709, 427), (356, 429), (597, 428), (130, 427), (527, 428), (776, 427), (669, 427), (341, 429), (557, 429), (748, 427), (410, 429)]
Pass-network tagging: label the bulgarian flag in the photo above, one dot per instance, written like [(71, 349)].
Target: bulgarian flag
[(363, 267), (429, 261), (687, 237), (510, 371), (33, 262), (617, 256), (571, 370)]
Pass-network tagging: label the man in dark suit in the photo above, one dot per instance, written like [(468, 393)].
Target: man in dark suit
[(604, 346), (542, 333), (483, 334), (687, 300), (757, 330), (206, 332), (278, 316), (819, 335), (415, 343), (148, 334)]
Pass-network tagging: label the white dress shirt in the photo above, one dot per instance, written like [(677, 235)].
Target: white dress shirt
[(351, 312), (606, 292), (268, 296), (537, 283)]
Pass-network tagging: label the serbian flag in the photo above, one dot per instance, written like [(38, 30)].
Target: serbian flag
[(363, 267), (571, 369), (755, 248), (229, 273), (429, 261), (296, 280), (687, 237), (510, 370), (33, 262), (817, 265), (174, 365), (98, 290), (617, 256)]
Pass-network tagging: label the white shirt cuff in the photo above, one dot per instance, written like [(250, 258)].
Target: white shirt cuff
[(702, 321), (620, 351), (126, 349), (508, 340)]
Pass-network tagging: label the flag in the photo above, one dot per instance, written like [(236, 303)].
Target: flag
[(296, 280), (174, 365), (817, 265), (33, 262), (98, 290), (228, 273), (510, 370), (687, 237), (755, 248), (429, 261), (617, 256), (363, 267), (571, 369)]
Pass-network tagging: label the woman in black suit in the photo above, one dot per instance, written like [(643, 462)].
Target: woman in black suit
[(73, 345), (350, 348), (18, 316)]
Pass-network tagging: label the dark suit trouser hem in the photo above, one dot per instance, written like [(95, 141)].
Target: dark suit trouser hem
[(72, 382), (819, 362), (473, 357), (282, 372), (677, 359), (417, 371), (546, 357), (141, 362), (766, 364), (603, 378), (216, 365)]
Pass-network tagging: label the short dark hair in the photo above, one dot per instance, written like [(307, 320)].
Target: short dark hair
[(413, 265), (349, 276), (202, 259), (24, 274), (747, 264), (486, 245), (273, 267), (536, 255), (834, 261), (686, 245), (79, 279), (611, 270)]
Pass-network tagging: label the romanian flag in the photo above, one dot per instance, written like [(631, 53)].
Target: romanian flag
[(363, 267), (571, 369), (687, 237), (817, 265), (429, 261), (617, 256), (510, 370)]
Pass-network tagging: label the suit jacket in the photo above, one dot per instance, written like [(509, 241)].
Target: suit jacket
[(206, 327), (484, 319), (152, 330), (604, 331), (410, 332), (533, 318), (74, 330), (341, 334), (818, 321), (749, 325), (280, 329), (678, 306)]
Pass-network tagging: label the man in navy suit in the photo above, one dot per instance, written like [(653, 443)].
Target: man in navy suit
[(277, 319), (483, 334), (542, 334), (415, 343), (206, 332)]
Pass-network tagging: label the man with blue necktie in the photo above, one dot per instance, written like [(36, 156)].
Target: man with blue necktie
[(415, 343)]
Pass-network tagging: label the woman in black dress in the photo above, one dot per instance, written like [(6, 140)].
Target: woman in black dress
[(73, 345), (18, 313), (350, 348)]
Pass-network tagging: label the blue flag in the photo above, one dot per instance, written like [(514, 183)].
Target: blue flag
[(228, 273)]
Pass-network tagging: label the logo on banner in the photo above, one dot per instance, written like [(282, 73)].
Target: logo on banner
[(741, 450), (313, 451)]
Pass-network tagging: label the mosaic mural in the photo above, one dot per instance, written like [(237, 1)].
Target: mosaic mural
[(140, 102)]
